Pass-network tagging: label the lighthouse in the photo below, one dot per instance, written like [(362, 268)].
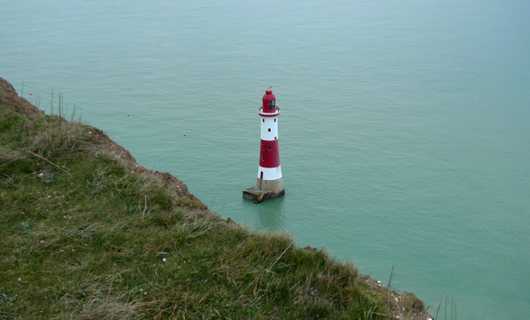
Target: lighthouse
[(269, 181)]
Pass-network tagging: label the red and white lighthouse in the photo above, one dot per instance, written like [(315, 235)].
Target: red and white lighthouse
[(269, 180)]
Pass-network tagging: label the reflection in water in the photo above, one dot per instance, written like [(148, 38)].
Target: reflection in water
[(270, 215)]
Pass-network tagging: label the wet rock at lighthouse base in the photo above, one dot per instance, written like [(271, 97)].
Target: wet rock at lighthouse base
[(258, 196)]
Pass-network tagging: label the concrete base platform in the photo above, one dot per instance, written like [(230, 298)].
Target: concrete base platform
[(257, 195)]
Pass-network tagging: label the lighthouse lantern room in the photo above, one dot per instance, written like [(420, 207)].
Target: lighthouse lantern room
[(269, 182)]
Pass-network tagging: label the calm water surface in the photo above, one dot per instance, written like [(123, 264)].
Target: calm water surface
[(405, 131)]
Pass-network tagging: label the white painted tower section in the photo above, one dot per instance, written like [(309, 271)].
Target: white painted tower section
[(270, 173)]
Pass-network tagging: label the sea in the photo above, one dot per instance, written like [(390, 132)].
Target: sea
[(404, 129)]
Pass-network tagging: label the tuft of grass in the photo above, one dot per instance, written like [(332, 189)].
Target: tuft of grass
[(59, 137)]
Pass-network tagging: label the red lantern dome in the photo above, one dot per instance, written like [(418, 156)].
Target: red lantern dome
[(269, 102)]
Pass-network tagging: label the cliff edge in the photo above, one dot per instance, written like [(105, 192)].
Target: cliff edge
[(88, 233)]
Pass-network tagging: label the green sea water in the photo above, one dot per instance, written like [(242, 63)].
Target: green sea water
[(404, 134)]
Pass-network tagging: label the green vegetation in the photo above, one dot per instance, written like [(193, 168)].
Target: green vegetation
[(84, 236)]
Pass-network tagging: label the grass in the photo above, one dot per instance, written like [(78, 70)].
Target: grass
[(83, 237)]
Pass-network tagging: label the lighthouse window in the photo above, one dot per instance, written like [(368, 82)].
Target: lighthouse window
[(274, 119), (269, 129), (262, 120)]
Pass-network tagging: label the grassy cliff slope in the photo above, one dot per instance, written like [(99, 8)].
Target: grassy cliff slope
[(87, 233)]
